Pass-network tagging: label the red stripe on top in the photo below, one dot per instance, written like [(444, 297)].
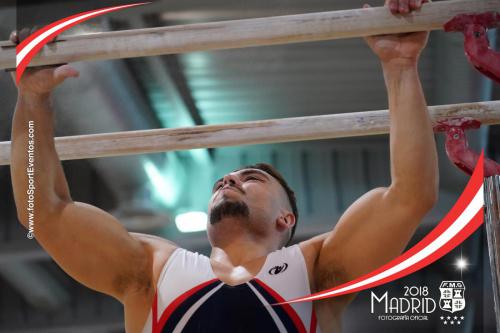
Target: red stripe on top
[(155, 314), (312, 328), (178, 301), (287, 307)]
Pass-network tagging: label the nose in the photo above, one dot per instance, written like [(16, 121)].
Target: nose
[(230, 179)]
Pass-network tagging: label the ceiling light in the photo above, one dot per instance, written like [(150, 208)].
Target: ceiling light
[(191, 221)]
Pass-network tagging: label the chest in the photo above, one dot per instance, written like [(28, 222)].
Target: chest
[(237, 275), (194, 289)]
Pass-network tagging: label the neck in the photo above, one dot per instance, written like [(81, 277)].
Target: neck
[(240, 250)]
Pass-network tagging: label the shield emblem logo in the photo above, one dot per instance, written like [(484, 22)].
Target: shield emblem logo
[(452, 296)]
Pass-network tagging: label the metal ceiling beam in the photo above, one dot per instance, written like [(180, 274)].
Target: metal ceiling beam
[(169, 74), (36, 286), (21, 251), (179, 82)]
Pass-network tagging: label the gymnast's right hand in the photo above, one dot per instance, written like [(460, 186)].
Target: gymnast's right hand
[(40, 81)]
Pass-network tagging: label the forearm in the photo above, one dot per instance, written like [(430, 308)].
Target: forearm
[(414, 169), (34, 160)]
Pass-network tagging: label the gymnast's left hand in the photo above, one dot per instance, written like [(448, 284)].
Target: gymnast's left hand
[(403, 48)]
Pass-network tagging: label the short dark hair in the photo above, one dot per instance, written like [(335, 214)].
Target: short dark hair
[(268, 168)]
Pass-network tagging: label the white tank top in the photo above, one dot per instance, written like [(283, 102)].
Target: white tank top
[(190, 298)]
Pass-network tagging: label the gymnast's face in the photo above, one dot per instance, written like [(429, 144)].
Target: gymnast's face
[(248, 198)]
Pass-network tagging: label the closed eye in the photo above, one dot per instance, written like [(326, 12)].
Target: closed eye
[(252, 178)]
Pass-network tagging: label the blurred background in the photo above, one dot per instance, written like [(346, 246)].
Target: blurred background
[(166, 194)]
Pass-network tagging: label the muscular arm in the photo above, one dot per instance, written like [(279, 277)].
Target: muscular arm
[(379, 225), (89, 244)]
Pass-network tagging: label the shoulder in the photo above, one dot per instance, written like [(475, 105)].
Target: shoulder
[(311, 249), (137, 301), (158, 250), (322, 276), (155, 241)]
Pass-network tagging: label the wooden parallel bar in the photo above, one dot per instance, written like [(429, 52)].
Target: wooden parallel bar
[(252, 132), (246, 33)]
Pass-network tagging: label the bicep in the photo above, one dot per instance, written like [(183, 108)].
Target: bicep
[(374, 230), (94, 248)]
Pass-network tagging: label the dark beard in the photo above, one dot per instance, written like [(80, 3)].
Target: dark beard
[(229, 209)]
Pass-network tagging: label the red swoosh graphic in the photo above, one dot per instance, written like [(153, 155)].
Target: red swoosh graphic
[(26, 50)]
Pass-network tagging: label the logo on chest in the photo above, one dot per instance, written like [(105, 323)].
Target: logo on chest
[(278, 269)]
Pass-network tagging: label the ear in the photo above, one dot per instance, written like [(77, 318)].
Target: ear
[(285, 221)]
